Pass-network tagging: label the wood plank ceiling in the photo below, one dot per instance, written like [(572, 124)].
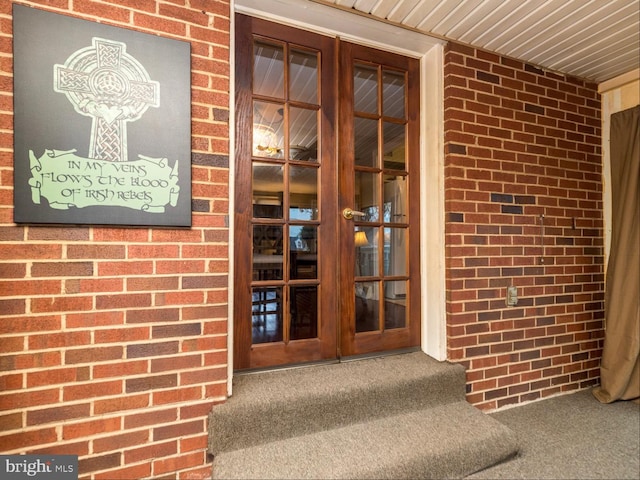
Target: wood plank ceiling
[(591, 39)]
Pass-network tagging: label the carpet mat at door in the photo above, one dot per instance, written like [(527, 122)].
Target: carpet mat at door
[(402, 416)]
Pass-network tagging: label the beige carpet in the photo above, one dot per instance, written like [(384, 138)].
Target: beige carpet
[(572, 437), (402, 416)]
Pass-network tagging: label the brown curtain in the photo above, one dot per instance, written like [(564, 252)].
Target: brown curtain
[(620, 368)]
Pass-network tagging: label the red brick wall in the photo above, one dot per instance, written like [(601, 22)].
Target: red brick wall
[(522, 146), (113, 340)]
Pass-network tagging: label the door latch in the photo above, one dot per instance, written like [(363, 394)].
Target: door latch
[(349, 213)]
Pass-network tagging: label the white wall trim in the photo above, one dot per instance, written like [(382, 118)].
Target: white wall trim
[(432, 252), (232, 196), (335, 22), (619, 81), (614, 99)]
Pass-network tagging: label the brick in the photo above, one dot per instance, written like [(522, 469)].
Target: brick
[(12, 234), (61, 304), (30, 360), (90, 390), (31, 251), (137, 471), (72, 431), (501, 198), (99, 462), (121, 404), (194, 443), (185, 363), (11, 382), (12, 421), (152, 349), (154, 283), (26, 440), (176, 330), (12, 270), (124, 268), (94, 319), (12, 344), (209, 312), (121, 441), (118, 335), (180, 266), (95, 251), (205, 281), (57, 340), (476, 351), (122, 301), (525, 199), (121, 235), (155, 450), (203, 376), (56, 376), (512, 209), (177, 395), (21, 400), (151, 383), (120, 369), (171, 464), (456, 148), (147, 418), (92, 285), (62, 269), (153, 315), (178, 430), (93, 355), (152, 251)]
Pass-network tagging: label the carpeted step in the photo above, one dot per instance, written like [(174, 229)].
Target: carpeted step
[(276, 405), (445, 441)]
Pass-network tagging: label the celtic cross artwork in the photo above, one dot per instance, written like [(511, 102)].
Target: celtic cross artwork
[(120, 156), (110, 86)]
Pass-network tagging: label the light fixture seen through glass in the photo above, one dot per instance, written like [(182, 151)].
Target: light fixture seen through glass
[(265, 141), (361, 239)]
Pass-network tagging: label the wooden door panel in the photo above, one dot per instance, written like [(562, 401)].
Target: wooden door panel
[(368, 68), (277, 286)]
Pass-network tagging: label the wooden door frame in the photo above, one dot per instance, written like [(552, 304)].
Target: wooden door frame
[(367, 31)]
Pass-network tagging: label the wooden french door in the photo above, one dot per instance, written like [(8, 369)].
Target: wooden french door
[(326, 219), (379, 163)]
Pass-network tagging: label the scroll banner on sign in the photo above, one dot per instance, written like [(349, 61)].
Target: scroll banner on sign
[(68, 181)]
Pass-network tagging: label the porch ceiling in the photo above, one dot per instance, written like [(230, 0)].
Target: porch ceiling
[(592, 39)]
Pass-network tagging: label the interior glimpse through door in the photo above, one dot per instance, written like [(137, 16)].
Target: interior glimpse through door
[(325, 244)]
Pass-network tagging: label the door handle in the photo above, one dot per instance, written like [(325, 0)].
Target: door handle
[(349, 214)]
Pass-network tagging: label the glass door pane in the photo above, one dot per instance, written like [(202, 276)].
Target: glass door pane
[(387, 211)]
